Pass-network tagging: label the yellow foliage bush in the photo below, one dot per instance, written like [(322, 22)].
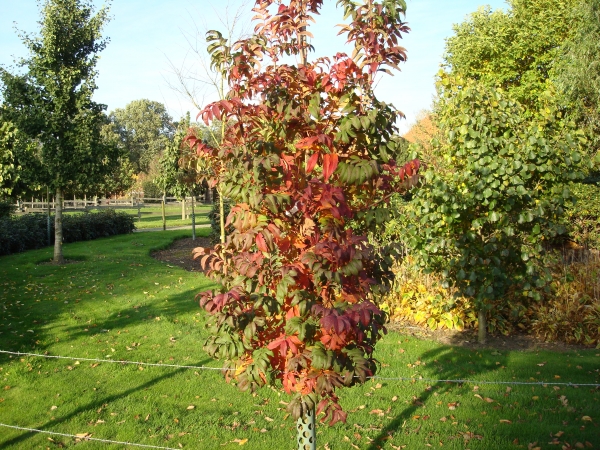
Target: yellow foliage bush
[(569, 312), (419, 298)]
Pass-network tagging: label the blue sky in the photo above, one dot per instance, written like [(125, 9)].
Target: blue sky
[(150, 40)]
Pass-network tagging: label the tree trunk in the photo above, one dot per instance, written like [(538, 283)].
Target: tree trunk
[(48, 225), (183, 208), (164, 218), (193, 221), (58, 230), (222, 217), (482, 330)]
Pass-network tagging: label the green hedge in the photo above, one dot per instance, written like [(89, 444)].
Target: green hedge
[(27, 232), (6, 208)]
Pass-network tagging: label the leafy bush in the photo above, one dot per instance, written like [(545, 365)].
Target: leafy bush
[(6, 208), (572, 312), (151, 189), (28, 232), (583, 220)]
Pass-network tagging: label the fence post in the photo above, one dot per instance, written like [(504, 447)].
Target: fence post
[(183, 208)]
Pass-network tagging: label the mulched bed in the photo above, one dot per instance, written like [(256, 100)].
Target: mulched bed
[(180, 253)]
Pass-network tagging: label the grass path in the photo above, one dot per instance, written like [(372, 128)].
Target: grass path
[(118, 303)]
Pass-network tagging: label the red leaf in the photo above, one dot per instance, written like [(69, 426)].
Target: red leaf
[(312, 161), (261, 244), (330, 163)]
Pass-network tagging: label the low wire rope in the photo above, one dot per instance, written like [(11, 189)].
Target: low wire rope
[(376, 377), (108, 441), (114, 361)]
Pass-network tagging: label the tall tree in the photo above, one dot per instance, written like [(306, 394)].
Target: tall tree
[(52, 102), (145, 129), (578, 72), (514, 49), (306, 149)]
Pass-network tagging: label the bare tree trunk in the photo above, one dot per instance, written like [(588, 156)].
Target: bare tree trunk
[(164, 218), (58, 229), (48, 227), (482, 326), (222, 217)]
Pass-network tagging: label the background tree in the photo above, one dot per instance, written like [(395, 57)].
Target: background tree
[(52, 102), (483, 223), (514, 49), (145, 129), (307, 147)]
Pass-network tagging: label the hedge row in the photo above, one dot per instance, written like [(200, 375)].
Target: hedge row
[(29, 231)]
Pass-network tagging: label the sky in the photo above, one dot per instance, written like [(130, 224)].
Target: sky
[(152, 41)]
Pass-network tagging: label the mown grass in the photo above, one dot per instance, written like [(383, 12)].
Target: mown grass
[(151, 216), (118, 303)]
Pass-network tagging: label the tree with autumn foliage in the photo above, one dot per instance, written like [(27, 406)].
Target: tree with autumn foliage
[(307, 149)]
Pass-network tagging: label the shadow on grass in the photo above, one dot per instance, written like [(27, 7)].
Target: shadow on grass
[(446, 363), (40, 305), (94, 405)]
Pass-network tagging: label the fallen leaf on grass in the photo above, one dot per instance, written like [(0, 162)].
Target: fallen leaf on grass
[(453, 405), (240, 441), (586, 418), (190, 407), (268, 419), (505, 421), (82, 435), (53, 407)]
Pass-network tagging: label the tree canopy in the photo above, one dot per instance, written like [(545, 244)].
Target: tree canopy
[(145, 129), (514, 49), (51, 102)]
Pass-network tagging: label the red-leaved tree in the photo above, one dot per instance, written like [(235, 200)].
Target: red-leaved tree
[(306, 149)]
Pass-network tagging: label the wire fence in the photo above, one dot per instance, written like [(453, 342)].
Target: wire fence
[(87, 437), (84, 437), (376, 377)]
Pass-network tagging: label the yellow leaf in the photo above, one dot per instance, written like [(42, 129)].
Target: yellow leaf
[(240, 441), (505, 421), (586, 418)]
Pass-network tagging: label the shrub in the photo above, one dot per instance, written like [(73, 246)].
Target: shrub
[(572, 312), (28, 232), (583, 220), (6, 208)]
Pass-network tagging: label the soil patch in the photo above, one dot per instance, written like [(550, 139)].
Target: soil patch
[(180, 253)]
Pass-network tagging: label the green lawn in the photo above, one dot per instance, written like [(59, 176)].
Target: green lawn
[(118, 303), (151, 216)]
